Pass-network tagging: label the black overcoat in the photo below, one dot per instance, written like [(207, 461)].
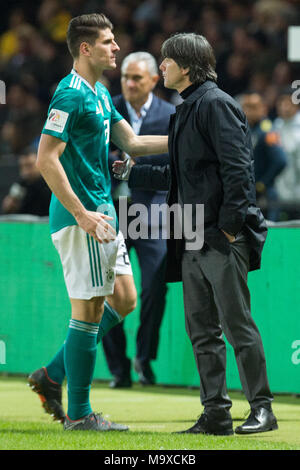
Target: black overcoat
[(211, 163)]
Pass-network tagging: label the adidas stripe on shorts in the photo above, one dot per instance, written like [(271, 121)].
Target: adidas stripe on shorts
[(90, 267)]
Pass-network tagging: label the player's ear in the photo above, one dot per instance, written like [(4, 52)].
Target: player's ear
[(85, 49)]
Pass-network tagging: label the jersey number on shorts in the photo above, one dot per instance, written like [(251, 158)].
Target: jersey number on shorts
[(125, 256)]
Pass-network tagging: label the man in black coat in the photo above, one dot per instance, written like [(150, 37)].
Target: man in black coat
[(211, 163)]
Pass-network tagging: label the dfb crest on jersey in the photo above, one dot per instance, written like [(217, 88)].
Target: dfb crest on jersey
[(99, 109)]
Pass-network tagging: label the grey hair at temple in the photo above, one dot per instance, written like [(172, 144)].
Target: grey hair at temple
[(141, 57)]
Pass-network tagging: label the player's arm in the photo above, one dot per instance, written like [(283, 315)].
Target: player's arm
[(50, 167), (134, 145)]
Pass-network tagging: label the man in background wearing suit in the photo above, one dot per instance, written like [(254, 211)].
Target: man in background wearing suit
[(147, 114)]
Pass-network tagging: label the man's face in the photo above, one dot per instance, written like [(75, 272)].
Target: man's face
[(137, 82), (286, 109), (103, 52), (254, 108), (27, 168), (172, 74)]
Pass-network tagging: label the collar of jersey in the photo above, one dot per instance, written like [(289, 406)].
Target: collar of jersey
[(84, 81)]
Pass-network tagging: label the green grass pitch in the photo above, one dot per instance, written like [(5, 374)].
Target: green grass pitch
[(152, 413)]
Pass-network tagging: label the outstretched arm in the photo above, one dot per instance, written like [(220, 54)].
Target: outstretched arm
[(134, 145)]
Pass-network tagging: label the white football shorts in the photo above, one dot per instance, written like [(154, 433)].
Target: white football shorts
[(90, 267)]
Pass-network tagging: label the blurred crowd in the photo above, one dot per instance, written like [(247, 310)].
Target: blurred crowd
[(249, 38)]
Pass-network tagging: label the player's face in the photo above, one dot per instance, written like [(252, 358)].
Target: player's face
[(103, 52), (173, 75), (137, 82)]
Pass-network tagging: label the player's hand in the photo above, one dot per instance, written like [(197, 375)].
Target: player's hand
[(121, 169), (96, 224)]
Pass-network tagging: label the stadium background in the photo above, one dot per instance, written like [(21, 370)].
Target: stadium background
[(250, 42)]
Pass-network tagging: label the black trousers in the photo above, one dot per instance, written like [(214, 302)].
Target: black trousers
[(217, 301), (152, 259)]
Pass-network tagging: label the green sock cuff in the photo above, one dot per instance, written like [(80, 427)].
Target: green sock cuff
[(113, 311), (83, 326)]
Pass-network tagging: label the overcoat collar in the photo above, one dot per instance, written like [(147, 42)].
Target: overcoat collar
[(203, 88), (183, 110)]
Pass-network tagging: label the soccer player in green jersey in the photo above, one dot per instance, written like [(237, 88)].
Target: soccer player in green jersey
[(72, 158)]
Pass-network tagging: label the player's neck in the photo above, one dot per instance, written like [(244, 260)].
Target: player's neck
[(86, 72)]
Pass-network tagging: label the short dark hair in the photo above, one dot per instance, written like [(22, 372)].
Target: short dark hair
[(85, 28), (194, 51)]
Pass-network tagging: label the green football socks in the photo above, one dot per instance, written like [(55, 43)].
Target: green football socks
[(80, 358), (56, 368), (110, 318)]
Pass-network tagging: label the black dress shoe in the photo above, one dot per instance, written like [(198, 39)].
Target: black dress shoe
[(217, 424), (121, 382), (259, 420), (145, 373)]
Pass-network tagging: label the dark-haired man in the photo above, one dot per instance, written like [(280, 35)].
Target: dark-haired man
[(72, 158), (269, 157), (211, 163)]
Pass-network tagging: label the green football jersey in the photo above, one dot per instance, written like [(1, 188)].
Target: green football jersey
[(82, 116)]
